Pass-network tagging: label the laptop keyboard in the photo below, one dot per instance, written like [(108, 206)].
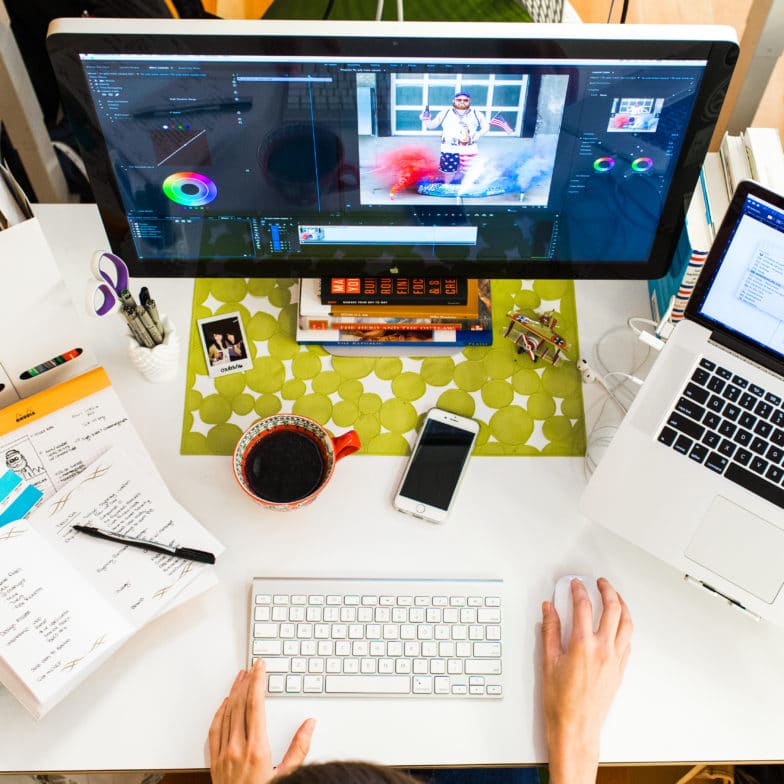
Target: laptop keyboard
[(367, 637), (731, 427)]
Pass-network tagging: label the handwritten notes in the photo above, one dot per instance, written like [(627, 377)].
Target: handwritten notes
[(67, 600), (52, 624)]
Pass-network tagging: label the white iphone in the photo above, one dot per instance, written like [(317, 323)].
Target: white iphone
[(437, 465)]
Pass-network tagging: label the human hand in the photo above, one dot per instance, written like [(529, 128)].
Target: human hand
[(239, 746), (579, 685)]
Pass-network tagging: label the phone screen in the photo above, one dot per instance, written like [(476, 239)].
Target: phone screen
[(437, 463)]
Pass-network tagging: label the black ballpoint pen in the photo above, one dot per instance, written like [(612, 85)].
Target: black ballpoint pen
[(202, 556)]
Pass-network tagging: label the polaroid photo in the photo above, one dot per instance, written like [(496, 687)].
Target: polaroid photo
[(225, 344)]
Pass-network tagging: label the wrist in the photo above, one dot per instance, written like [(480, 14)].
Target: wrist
[(573, 756)]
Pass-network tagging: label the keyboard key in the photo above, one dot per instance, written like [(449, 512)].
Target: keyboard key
[(276, 684), (758, 445), (739, 381), (758, 465), (716, 462), (707, 364), (367, 684), (756, 484), (698, 394), (715, 403), (743, 456), (756, 390), (774, 454), (731, 412), (723, 372), (711, 439), (667, 436), (747, 420), (690, 409), (700, 376), (682, 444), (742, 437), (774, 474), (483, 667), (683, 425), (763, 409), (778, 417), (731, 393), (774, 400), (699, 452), (747, 401), (763, 429), (726, 448), (716, 384), (727, 429)]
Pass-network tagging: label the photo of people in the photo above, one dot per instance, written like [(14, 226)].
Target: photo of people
[(225, 344), (430, 138), (635, 114)]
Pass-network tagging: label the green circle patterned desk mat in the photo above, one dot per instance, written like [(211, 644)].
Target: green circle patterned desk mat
[(524, 407)]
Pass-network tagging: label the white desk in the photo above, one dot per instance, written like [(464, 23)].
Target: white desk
[(703, 682)]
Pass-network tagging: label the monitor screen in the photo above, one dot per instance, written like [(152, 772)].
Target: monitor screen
[(255, 149)]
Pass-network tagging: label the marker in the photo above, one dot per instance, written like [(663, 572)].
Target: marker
[(60, 359)]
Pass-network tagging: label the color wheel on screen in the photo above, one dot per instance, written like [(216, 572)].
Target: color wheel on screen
[(603, 164), (642, 164), (190, 189)]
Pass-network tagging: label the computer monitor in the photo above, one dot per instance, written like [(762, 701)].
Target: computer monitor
[(270, 148)]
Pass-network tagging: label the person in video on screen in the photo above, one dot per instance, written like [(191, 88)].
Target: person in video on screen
[(578, 686), (461, 128)]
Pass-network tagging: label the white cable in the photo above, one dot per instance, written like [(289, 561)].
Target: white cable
[(379, 10), (400, 11), (634, 319)]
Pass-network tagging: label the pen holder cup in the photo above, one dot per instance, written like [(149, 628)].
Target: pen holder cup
[(159, 363)]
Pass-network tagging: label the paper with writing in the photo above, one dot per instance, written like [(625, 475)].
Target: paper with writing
[(53, 627), (114, 494)]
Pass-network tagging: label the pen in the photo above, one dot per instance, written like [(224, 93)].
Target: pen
[(148, 303), (202, 556), (150, 325)]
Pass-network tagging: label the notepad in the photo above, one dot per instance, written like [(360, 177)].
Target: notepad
[(68, 601)]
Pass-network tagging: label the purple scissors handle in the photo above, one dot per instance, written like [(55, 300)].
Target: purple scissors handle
[(112, 273)]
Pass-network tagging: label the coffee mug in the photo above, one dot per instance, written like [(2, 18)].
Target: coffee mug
[(284, 461)]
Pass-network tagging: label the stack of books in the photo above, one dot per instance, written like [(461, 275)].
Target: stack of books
[(367, 311), (756, 154)]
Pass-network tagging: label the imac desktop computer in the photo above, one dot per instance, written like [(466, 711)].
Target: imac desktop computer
[(303, 149)]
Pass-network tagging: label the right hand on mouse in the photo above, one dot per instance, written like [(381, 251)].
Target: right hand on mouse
[(579, 685)]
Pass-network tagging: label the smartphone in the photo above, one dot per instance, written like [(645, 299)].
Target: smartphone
[(437, 465)]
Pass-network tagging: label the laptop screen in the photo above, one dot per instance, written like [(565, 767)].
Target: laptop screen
[(745, 291)]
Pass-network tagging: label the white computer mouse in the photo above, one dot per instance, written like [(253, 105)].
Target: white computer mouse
[(562, 601)]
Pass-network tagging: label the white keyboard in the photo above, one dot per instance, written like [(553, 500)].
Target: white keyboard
[(369, 637)]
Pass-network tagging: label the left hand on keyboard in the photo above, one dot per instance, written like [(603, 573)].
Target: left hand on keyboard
[(239, 746)]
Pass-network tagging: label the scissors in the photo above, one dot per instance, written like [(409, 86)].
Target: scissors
[(111, 279)]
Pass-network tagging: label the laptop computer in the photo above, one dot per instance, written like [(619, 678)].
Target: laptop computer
[(694, 473)]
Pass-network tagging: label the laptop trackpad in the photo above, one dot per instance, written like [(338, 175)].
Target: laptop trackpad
[(741, 547)]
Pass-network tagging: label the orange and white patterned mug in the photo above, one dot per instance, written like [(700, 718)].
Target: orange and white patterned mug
[(284, 461)]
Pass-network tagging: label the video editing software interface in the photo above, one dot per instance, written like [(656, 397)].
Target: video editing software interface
[(256, 157)]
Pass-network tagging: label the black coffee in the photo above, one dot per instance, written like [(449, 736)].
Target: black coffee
[(284, 466)]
